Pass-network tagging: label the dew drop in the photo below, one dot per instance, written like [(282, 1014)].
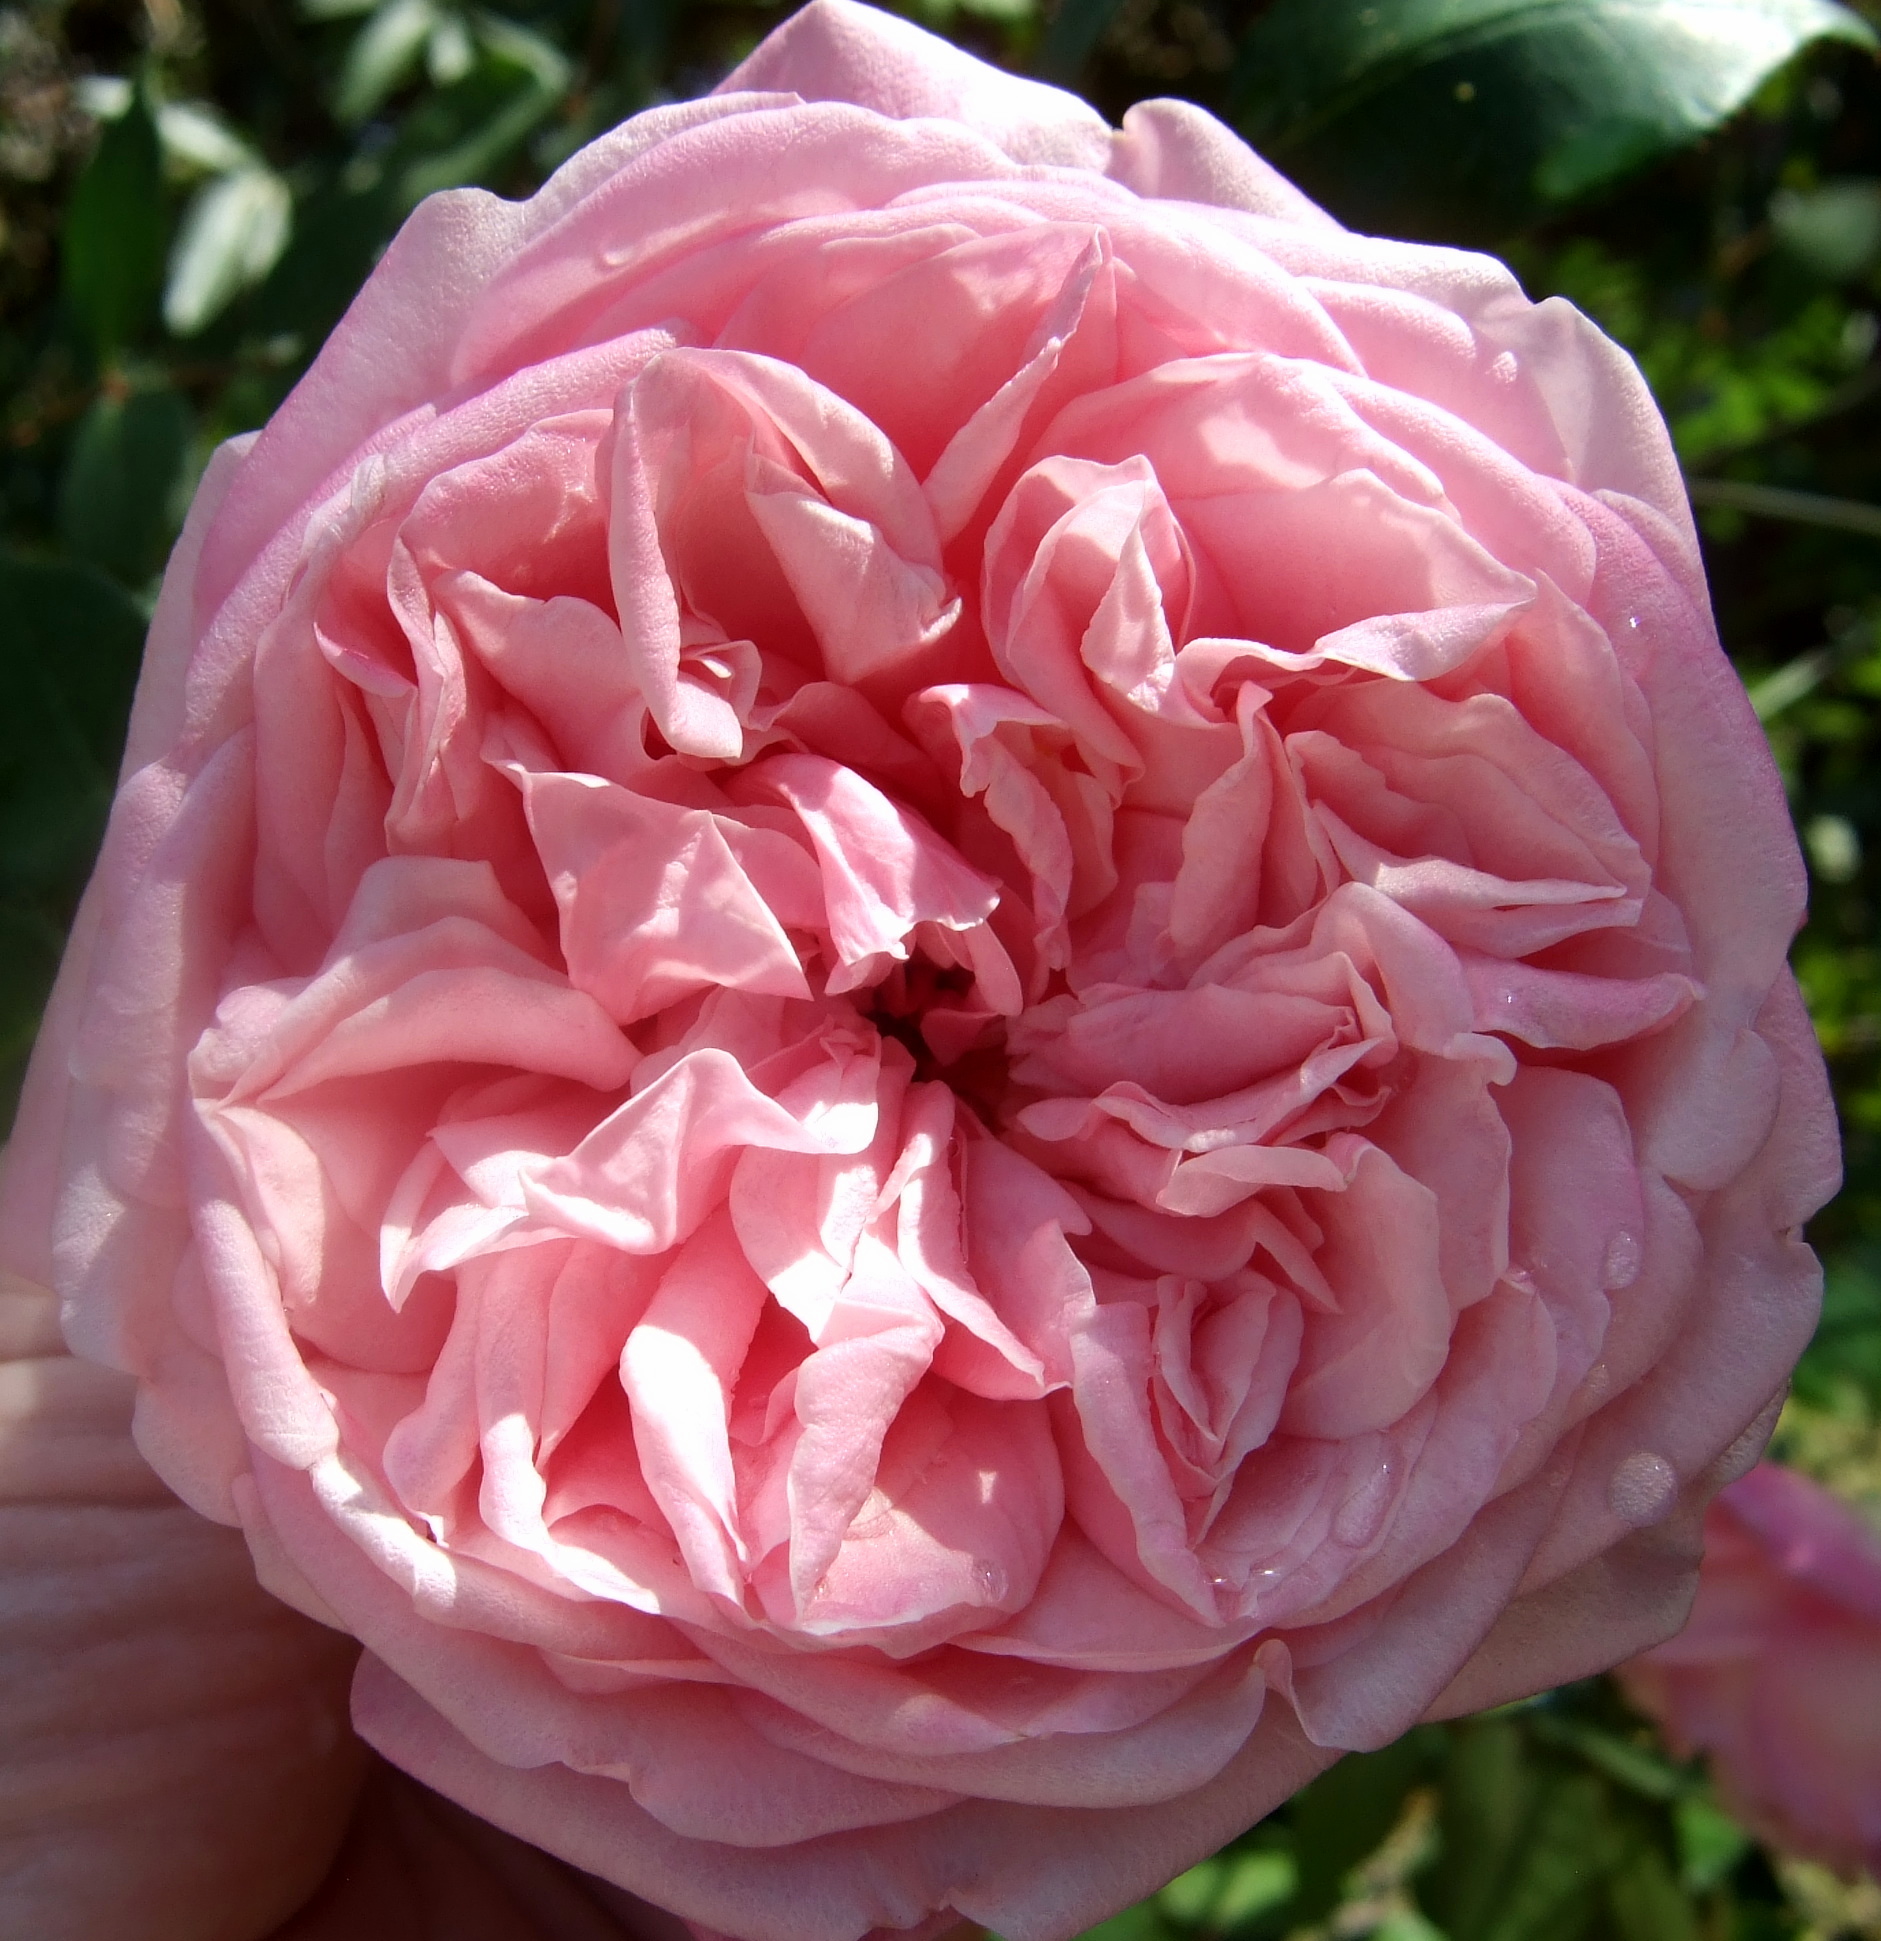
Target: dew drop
[(1504, 369), (1621, 1268), (821, 1594), (989, 1580), (1643, 1489)]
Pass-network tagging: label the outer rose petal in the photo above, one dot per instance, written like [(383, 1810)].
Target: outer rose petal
[(1777, 1677), (849, 53), (915, 1128)]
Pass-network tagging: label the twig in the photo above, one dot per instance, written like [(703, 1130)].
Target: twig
[(1779, 502)]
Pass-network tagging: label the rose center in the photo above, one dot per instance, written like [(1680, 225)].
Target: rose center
[(911, 1006)]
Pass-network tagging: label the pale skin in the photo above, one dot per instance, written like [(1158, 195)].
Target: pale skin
[(175, 1758)]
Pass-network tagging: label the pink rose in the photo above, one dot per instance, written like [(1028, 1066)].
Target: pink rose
[(1778, 1674), (939, 1002)]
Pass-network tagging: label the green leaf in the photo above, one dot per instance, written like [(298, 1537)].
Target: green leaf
[(1138, 1923), (449, 53), (1474, 117), (69, 656), (1406, 1924), (30, 948), (1636, 1767), (115, 229), (1647, 1901), (197, 141), (1344, 1815), (118, 498), (1253, 1883), (1835, 230), (1190, 1898), (465, 133), (232, 235), (383, 56), (1072, 38), (1488, 1790), (1550, 1891), (338, 232), (1847, 1344), (1711, 1843), (68, 662), (1230, 1890)]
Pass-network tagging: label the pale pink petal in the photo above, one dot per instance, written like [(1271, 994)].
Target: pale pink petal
[(836, 50)]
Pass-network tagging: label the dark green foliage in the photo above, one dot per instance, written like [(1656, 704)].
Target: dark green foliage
[(69, 647), (116, 228), (120, 500), (1344, 1816), (1468, 118), (1556, 1820)]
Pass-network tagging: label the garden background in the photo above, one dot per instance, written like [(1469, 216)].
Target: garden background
[(191, 190)]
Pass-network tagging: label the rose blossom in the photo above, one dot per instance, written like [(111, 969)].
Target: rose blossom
[(1778, 1674), (939, 1001)]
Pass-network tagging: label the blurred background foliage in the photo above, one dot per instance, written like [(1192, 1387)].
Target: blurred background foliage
[(191, 190)]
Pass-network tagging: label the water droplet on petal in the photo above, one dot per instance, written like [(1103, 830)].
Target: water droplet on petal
[(1622, 1263), (989, 1580), (821, 1593), (1643, 1489)]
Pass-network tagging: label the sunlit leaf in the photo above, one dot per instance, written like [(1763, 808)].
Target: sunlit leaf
[(449, 54), (102, 96), (197, 141), (1191, 1897), (1406, 1924), (1834, 229), (383, 57), (232, 235), (1473, 116), (465, 133), (1139, 1923), (1711, 1843), (1225, 1893), (1253, 1883)]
